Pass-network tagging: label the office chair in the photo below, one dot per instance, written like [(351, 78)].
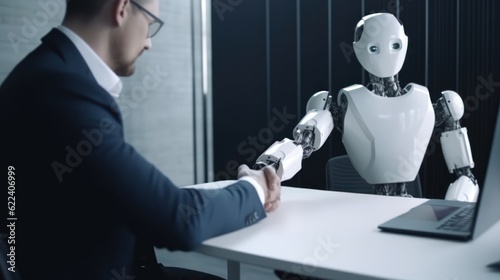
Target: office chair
[(4, 250), (342, 176), (148, 267), (172, 273)]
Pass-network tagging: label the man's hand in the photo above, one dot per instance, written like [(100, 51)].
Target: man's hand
[(268, 180)]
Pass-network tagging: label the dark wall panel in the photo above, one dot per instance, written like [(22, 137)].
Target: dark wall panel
[(239, 83), (442, 50), (283, 60), (412, 15), (283, 65), (442, 47), (345, 68), (479, 75), (314, 77)]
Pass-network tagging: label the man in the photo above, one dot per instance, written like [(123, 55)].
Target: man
[(89, 206)]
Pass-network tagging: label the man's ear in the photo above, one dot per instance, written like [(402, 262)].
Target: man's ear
[(120, 11)]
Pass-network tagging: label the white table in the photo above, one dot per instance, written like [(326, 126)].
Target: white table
[(334, 235)]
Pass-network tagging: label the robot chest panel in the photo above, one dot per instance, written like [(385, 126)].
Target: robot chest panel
[(386, 137)]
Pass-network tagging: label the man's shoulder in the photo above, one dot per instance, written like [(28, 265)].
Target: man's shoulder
[(43, 66), (45, 73), (44, 81)]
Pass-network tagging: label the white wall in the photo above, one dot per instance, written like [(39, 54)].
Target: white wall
[(158, 116)]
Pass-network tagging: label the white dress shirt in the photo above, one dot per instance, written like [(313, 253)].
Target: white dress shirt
[(105, 77)]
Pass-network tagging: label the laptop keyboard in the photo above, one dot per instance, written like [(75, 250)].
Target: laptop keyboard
[(460, 221)]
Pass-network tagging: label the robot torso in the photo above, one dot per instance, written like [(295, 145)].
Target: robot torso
[(387, 137)]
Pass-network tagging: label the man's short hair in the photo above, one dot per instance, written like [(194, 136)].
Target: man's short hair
[(88, 8), (84, 8)]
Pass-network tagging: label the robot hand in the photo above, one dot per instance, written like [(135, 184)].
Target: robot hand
[(309, 135), (284, 155), (463, 189)]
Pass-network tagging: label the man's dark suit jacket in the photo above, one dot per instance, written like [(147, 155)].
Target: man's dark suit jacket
[(84, 198)]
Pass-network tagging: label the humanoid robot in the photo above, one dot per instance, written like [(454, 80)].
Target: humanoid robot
[(385, 130)]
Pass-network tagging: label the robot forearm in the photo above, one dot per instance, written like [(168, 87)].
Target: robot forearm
[(313, 130), (456, 150), (286, 153), (309, 135), (458, 157)]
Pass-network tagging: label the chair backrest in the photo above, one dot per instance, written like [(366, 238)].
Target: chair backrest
[(342, 176), (4, 265)]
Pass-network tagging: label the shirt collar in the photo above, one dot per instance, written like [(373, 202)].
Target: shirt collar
[(105, 77)]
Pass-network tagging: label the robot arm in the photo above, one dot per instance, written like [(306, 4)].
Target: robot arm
[(309, 135), (456, 148)]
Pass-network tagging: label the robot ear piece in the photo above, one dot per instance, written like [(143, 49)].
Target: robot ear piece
[(358, 32)]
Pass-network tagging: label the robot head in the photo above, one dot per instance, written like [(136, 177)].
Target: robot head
[(380, 44)]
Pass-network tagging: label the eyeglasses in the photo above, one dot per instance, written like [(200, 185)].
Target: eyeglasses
[(154, 26)]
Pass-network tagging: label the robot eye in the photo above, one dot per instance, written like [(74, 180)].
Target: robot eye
[(396, 46), (373, 49)]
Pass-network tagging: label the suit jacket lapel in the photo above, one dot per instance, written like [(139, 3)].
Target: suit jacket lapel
[(64, 47)]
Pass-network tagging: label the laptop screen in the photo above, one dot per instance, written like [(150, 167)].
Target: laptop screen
[(488, 209), (431, 212)]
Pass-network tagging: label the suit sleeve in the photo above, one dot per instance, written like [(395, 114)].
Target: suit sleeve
[(140, 195)]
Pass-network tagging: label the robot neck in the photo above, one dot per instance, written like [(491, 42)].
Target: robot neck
[(388, 87)]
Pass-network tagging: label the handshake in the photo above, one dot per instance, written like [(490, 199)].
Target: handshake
[(269, 180)]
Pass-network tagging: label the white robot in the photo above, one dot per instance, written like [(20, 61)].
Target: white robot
[(385, 130)]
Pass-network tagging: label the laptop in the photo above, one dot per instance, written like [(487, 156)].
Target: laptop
[(456, 220)]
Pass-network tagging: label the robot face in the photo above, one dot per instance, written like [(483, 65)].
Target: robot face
[(380, 44)]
